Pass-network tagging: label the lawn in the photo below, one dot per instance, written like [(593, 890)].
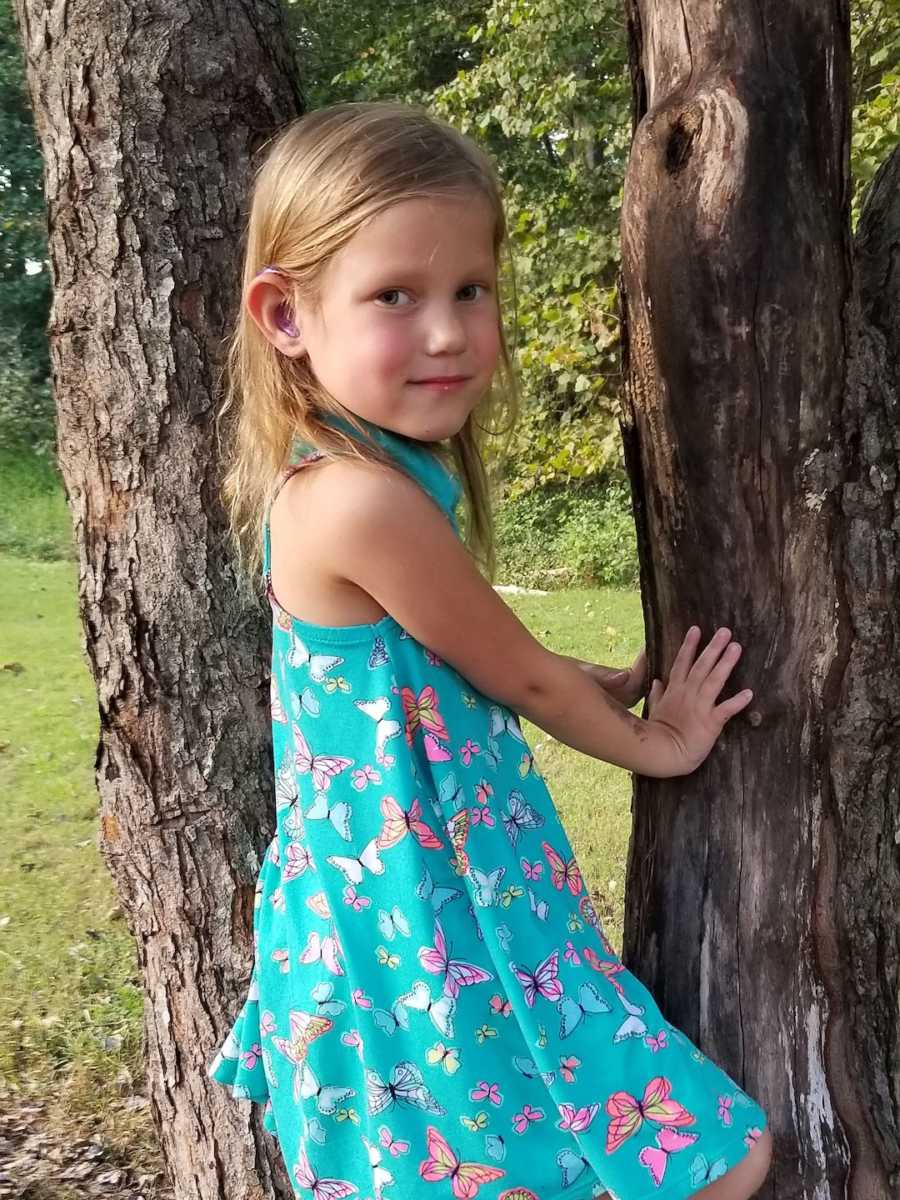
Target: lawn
[(70, 1002)]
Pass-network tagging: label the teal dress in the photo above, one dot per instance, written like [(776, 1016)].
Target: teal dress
[(434, 1009)]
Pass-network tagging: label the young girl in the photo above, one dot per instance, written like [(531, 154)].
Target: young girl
[(434, 1010)]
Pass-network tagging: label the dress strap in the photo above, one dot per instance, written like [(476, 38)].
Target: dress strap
[(283, 476)]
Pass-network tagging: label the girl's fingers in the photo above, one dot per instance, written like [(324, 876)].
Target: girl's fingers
[(718, 676), (685, 656), (710, 656), (728, 708)]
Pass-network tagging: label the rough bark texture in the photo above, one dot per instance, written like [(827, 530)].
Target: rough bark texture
[(148, 115), (760, 429)]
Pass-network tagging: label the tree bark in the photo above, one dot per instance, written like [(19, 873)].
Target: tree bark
[(148, 115), (760, 429)]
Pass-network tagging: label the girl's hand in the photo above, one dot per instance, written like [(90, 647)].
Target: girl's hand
[(687, 704), (626, 685)]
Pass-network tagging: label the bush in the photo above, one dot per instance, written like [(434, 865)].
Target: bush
[(578, 535)]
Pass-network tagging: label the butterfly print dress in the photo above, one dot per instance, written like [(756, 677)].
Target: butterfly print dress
[(434, 1009)]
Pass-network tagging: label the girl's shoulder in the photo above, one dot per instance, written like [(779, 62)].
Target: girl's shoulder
[(302, 578)]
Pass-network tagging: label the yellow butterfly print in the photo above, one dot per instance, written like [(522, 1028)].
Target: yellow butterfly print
[(458, 831), (385, 959), (333, 682), (483, 1032), (468, 701), (511, 893), (479, 1121), (574, 924), (542, 1037), (347, 1114), (444, 1056)]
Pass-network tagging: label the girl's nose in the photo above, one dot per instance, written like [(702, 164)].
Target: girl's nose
[(445, 330)]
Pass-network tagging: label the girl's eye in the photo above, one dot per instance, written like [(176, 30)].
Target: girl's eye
[(473, 285), (392, 292)]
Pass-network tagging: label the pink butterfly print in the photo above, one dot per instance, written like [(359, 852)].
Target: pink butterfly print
[(322, 767), (752, 1135), (657, 1105), (577, 1119), (486, 1091), (299, 860), (468, 750), (390, 1143), (482, 791), (353, 1038), (658, 1042), (267, 1023), (568, 1067), (609, 969), (522, 1119), (570, 954), (482, 816), (725, 1103), (363, 776), (360, 999), (386, 760), (326, 948), (543, 981), (433, 658), (322, 1189), (563, 872), (283, 959), (499, 1004), (434, 751), (251, 1057), (352, 897), (656, 1158), (531, 870), (457, 974)]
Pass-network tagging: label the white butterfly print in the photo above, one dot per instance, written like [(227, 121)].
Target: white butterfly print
[(379, 655), (504, 721), (381, 1176), (318, 665), (304, 702), (404, 1086), (632, 1026), (572, 1012), (287, 797), (486, 893), (440, 1011), (520, 815), (338, 814), (540, 908), (277, 708), (391, 922), (325, 948), (326, 1007), (385, 727), (390, 1021), (352, 867), (439, 896), (327, 1098)]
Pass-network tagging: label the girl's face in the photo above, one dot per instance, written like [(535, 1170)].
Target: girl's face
[(407, 332)]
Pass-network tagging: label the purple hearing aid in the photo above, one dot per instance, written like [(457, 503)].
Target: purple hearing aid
[(282, 320)]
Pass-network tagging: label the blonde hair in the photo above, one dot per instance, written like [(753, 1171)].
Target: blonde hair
[(325, 174)]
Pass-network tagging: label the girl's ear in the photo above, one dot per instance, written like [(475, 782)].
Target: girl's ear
[(268, 304)]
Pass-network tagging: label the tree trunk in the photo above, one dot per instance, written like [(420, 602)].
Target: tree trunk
[(760, 405), (148, 115)]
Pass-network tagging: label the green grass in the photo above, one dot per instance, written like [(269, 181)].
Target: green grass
[(70, 999)]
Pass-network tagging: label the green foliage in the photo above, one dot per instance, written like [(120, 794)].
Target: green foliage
[(561, 536), (24, 297), (875, 39)]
